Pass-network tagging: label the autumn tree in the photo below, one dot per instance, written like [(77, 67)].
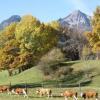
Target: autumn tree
[(7, 34), (8, 53), (56, 25), (22, 44), (87, 53), (34, 36), (94, 36)]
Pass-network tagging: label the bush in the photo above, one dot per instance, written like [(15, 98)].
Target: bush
[(51, 65), (87, 54)]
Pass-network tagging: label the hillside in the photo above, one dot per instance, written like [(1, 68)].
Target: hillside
[(91, 69), (34, 75)]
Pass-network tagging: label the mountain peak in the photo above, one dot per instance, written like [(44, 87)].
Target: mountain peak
[(7, 22), (76, 11), (15, 16), (78, 20)]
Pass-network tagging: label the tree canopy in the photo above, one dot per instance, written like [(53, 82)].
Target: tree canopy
[(22, 44), (94, 36)]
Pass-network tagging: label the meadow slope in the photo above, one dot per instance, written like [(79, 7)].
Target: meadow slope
[(34, 75)]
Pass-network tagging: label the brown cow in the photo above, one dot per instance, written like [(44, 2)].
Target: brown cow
[(4, 89), (89, 94), (44, 91), (68, 94), (19, 91)]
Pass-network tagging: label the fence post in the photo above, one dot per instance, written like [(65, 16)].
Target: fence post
[(26, 87), (10, 85), (80, 87)]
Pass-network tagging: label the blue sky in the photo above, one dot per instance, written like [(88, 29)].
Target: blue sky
[(45, 10)]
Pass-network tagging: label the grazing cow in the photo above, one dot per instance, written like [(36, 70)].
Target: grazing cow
[(4, 89), (89, 94), (44, 91), (67, 94), (19, 91)]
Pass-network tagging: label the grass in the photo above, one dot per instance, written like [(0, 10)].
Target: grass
[(32, 75), (92, 68)]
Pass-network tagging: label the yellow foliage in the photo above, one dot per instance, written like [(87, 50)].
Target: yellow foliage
[(94, 36), (96, 47)]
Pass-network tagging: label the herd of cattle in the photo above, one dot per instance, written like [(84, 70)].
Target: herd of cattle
[(48, 92)]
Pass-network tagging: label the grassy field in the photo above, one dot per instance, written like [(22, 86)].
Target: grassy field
[(34, 75), (92, 68)]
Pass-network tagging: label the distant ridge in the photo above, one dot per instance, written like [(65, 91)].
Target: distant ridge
[(77, 20), (7, 22)]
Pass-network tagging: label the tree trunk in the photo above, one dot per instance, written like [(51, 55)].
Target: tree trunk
[(20, 70), (10, 72)]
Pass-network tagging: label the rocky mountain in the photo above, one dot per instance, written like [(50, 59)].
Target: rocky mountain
[(7, 22), (78, 21), (72, 41)]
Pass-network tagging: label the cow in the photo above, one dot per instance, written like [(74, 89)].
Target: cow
[(68, 94), (44, 91), (19, 91), (4, 88), (89, 94)]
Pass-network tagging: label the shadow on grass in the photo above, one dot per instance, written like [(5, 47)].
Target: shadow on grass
[(69, 81), (54, 96)]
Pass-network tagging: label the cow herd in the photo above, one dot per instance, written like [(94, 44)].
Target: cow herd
[(10, 91), (84, 95), (49, 93)]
